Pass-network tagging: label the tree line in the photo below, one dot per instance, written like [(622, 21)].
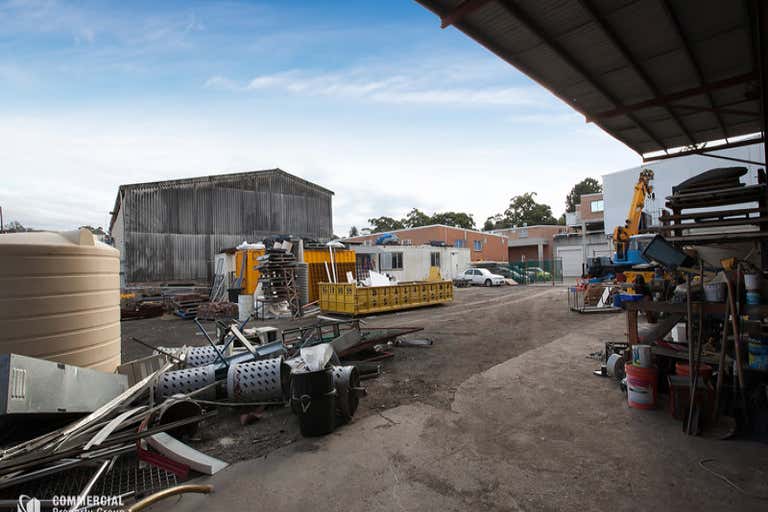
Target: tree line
[(522, 209)]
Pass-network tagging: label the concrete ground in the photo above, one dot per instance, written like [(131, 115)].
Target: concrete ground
[(506, 415)]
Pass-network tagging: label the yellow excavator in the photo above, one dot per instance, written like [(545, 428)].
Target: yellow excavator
[(628, 243)]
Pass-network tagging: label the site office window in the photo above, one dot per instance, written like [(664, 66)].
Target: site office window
[(477, 245), (459, 244), (391, 261), (597, 205), (434, 259)]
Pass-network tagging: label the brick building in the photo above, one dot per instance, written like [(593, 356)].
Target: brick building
[(530, 243), (482, 246)]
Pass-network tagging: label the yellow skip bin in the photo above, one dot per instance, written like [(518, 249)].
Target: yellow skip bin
[(349, 299)]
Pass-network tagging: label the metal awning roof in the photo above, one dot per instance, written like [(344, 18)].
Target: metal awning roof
[(655, 74)]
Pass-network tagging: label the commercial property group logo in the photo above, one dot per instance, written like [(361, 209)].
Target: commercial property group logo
[(66, 503), (27, 504)]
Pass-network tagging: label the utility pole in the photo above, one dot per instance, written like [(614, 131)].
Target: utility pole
[(2, 228)]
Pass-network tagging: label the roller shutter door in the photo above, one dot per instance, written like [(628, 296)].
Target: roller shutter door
[(573, 258)]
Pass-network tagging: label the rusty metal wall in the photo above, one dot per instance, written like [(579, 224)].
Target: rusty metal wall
[(173, 229)]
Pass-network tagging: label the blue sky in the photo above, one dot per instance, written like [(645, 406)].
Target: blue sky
[(368, 98)]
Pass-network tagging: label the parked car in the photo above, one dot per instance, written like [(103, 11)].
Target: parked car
[(539, 273), (482, 276), (508, 273)]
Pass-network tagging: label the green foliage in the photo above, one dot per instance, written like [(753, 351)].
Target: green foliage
[(15, 227), (382, 224), (456, 219), (416, 218), (497, 221), (96, 231), (353, 231), (523, 209), (585, 186)]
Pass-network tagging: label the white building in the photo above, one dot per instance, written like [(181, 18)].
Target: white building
[(618, 187), (411, 262)]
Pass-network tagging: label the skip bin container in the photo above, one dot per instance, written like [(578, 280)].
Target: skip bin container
[(313, 397)]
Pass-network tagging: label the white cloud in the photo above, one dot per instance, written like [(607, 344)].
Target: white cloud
[(63, 171), (421, 87)]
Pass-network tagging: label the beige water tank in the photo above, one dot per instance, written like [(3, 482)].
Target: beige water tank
[(60, 298)]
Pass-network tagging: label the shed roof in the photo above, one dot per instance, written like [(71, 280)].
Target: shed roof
[(655, 75), (213, 179), (220, 178)]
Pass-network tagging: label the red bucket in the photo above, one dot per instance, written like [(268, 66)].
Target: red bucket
[(642, 384), (684, 370)]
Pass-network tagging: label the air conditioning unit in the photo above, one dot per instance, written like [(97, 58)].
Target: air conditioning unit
[(35, 386)]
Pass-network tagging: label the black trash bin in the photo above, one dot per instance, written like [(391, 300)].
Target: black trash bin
[(313, 397)]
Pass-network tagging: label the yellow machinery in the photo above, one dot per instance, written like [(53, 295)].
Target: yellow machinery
[(316, 260), (349, 299), (622, 234), (251, 277)]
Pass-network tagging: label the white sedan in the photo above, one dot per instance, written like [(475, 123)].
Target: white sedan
[(482, 276)]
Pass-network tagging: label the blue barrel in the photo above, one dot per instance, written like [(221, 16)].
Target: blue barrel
[(758, 354)]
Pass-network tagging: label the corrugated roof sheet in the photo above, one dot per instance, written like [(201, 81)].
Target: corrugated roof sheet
[(604, 57)]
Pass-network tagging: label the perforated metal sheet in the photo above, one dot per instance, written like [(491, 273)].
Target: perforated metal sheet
[(259, 381), (186, 381), (202, 356), (345, 378)]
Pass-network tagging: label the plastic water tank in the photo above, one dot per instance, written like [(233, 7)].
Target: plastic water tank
[(60, 298)]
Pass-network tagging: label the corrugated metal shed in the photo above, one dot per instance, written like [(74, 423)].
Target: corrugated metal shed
[(656, 75), (171, 229)]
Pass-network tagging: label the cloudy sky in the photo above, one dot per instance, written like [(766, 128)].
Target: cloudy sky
[(368, 98)]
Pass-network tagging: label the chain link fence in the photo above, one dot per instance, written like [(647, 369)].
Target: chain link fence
[(537, 271)]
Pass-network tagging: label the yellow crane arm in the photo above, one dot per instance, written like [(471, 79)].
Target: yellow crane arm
[(643, 188)]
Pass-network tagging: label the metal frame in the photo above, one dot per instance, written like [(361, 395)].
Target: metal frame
[(664, 100), (755, 14), (705, 150), (530, 24), (683, 40), (627, 55)]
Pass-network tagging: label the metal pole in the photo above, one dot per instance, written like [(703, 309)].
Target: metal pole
[(90, 485), (160, 351), (211, 343)]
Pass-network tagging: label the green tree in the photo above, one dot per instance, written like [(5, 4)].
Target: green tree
[(455, 219), (524, 209), (585, 186), (382, 224), (416, 218), (353, 231), (497, 221), (15, 227), (96, 231)]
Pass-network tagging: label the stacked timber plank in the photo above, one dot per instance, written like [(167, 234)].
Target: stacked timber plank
[(718, 188), (278, 275)]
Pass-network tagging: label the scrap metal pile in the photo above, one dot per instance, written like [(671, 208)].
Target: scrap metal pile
[(131, 442)]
